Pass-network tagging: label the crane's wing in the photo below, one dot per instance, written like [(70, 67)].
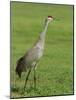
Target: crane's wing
[(33, 55)]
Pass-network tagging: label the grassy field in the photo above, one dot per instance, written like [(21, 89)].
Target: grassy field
[(55, 69)]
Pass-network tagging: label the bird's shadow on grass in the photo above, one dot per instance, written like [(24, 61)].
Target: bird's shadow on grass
[(28, 90)]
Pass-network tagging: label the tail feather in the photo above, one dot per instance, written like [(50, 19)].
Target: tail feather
[(19, 67)]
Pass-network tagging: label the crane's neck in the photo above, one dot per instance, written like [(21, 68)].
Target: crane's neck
[(43, 33)]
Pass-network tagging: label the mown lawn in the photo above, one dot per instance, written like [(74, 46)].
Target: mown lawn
[(55, 69)]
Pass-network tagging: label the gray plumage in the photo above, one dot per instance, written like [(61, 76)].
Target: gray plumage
[(31, 58)]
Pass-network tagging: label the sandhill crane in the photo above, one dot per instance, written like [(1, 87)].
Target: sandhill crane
[(31, 58)]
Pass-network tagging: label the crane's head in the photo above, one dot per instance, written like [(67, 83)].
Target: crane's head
[(48, 19)]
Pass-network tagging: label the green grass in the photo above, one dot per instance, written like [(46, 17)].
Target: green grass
[(55, 69)]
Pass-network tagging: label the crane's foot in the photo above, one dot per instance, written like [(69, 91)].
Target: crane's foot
[(22, 91), (24, 88)]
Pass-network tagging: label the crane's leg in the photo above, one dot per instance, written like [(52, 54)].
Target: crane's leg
[(27, 78), (35, 75), (34, 78)]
